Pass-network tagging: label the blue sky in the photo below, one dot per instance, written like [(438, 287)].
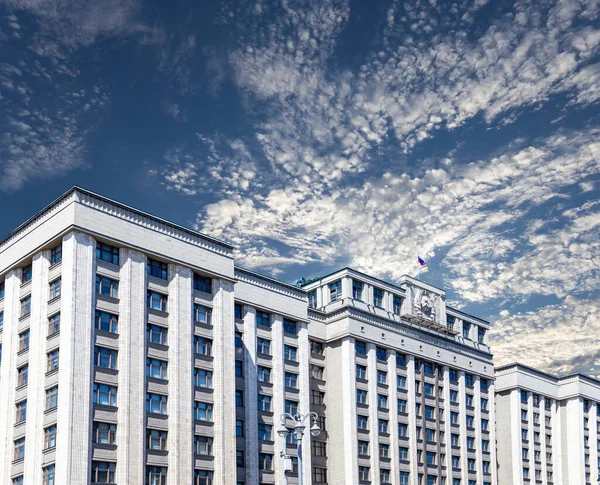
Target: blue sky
[(316, 134)]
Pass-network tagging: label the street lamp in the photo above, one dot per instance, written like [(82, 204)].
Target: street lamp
[(298, 432)]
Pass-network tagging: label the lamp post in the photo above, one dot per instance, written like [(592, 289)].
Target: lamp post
[(298, 432)]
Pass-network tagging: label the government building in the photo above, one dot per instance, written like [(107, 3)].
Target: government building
[(136, 351)]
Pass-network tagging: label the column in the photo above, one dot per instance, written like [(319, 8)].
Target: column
[(530, 435), (251, 395), (448, 426), (36, 395), (277, 376), (575, 450), (412, 419), (477, 419), (593, 427), (492, 413), (516, 445), (224, 382), (543, 439), (348, 403), (373, 414), (181, 362), (131, 428), (8, 371), (73, 437), (304, 383), (393, 404), (462, 425)]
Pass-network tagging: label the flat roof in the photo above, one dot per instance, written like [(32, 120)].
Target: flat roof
[(547, 374)]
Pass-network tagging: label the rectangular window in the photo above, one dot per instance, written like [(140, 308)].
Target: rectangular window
[(53, 324), (202, 345), (335, 290), (204, 477), (319, 475), (362, 422), (378, 297), (204, 283), (202, 314), (156, 403), (431, 458), (156, 439), (469, 380), (203, 445), (54, 289), (104, 433), (384, 475), (156, 334), (263, 346), (25, 306), (1, 320), (319, 448), (466, 329), (480, 335), (291, 380), (157, 301), (316, 348), (429, 434), (239, 427), (24, 340), (239, 340), (107, 286), (156, 368), (107, 253), (317, 372), (103, 472), (453, 417), (404, 478), (56, 255), (263, 374), (265, 461), (290, 353), (50, 437), (317, 397), (357, 289), (403, 453), (264, 403), (363, 448), (263, 318), (382, 401), (291, 407), (22, 375), (429, 412), (203, 378), (104, 357), (52, 360), (360, 348), (361, 371), (312, 299), (156, 475), (238, 311), (453, 375), (51, 398), (397, 304), (454, 439), (239, 368), (2, 290), (158, 269), (364, 473), (239, 398), (19, 447), (382, 425), (429, 389), (401, 405), (21, 411), (240, 459), (265, 432), (381, 353), (289, 326), (361, 396), (401, 382), (450, 321), (203, 411), (105, 395), (106, 321), (26, 274)]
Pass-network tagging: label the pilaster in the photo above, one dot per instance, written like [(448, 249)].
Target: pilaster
[(278, 394), (251, 393), (304, 383), (412, 419), (373, 414)]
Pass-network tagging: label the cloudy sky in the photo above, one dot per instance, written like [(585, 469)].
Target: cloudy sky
[(315, 134)]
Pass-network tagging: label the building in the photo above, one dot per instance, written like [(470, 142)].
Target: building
[(407, 382), (547, 427), (135, 351)]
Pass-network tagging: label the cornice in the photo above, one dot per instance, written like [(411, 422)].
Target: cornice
[(268, 283)]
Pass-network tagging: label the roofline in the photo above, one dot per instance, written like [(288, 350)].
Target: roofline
[(76, 188), (547, 374), (348, 268), (268, 278)]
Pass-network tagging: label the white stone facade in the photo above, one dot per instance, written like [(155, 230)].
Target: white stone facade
[(548, 428)]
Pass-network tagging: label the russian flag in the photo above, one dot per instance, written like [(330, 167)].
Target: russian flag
[(421, 261)]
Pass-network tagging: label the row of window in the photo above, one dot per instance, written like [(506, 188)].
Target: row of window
[(362, 422)]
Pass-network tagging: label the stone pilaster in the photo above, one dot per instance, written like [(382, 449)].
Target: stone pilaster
[(543, 449), (593, 430), (493, 453), (277, 377), (251, 393), (373, 414), (462, 425), (447, 424), (393, 405), (477, 423), (412, 418), (304, 384)]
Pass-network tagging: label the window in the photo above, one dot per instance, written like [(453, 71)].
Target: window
[(429, 434), (263, 374), (289, 326), (403, 453), (21, 411), (105, 395), (203, 445), (428, 368), (362, 422), (485, 445), (265, 431), (239, 368), (239, 427), (484, 424), (291, 407), (523, 434), (156, 334), (53, 324), (156, 403), (27, 273), (453, 395), (524, 397), (240, 459), (54, 289), (469, 380), (335, 290), (378, 297), (453, 375), (2, 289), (470, 443), (382, 425), (384, 476), (48, 475), (361, 371), (202, 345), (317, 372), (404, 478), (203, 378), (106, 321), (51, 398), (203, 477), (382, 401), (402, 430), (357, 289), (466, 329), (363, 448), (52, 360), (103, 357), (401, 405), (450, 320), (157, 269), (523, 415), (156, 301), (469, 400), (429, 389), (204, 283), (17, 480), (429, 412), (361, 396), (381, 353), (454, 440), (471, 464), (484, 404), (239, 397), (319, 448), (22, 375), (469, 421), (50, 437), (483, 384), (156, 475), (238, 311), (263, 346), (381, 377), (239, 342), (265, 461), (316, 348), (360, 348), (319, 475), (156, 368), (264, 403), (202, 314), (25, 306), (104, 433), (480, 335), (56, 255), (312, 299), (103, 472), (401, 382), (1, 320), (203, 411), (317, 397), (19, 453), (525, 472), (384, 450), (431, 457), (453, 417), (455, 462), (107, 253), (156, 439), (263, 318), (291, 380), (397, 304), (363, 473)]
